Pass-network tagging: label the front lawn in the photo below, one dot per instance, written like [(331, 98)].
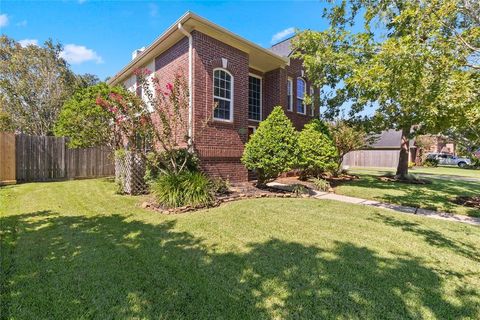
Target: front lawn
[(74, 249), (435, 196), (427, 171)]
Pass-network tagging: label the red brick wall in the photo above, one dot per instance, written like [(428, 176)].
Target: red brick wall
[(218, 143), (171, 62)]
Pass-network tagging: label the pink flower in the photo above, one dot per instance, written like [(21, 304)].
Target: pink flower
[(169, 86)]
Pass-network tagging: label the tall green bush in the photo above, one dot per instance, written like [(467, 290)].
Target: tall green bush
[(273, 148), (317, 150)]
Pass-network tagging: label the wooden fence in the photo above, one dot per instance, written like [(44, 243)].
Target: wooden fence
[(372, 158), (7, 158), (41, 158)]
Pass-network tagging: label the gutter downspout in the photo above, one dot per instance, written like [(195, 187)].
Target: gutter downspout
[(190, 85)]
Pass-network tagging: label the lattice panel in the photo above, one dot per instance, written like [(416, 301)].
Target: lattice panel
[(130, 172)]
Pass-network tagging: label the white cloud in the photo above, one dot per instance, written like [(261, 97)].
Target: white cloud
[(28, 42), (22, 23), (153, 10), (3, 20), (282, 34), (76, 54)]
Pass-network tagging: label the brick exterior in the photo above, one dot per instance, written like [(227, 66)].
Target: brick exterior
[(220, 144)]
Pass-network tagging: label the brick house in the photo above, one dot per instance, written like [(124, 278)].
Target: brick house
[(234, 84)]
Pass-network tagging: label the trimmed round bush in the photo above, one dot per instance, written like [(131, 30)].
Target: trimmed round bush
[(317, 151)]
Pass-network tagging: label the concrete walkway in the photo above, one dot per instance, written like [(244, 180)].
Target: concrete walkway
[(399, 208)]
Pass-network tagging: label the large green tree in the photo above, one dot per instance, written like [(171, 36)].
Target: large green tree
[(86, 123), (34, 83), (416, 63)]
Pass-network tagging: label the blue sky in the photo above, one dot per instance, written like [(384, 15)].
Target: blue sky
[(99, 36)]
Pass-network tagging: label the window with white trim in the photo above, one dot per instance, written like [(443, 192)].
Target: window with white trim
[(222, 95), (289, 94), (312, 105), (301, 91), (254, 98)]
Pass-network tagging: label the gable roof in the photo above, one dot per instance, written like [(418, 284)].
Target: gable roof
[(283, 48), (259, 58)]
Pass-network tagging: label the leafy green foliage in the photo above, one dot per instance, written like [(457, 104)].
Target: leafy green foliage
[(415, 62), (347, 138), (317, 151), (175, 190), (6, 123), (220, 186), (321, 184), (170, 161), (34, 83), (273, 148), (83, 121)]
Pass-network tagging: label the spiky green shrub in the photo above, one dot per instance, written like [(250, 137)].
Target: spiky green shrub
[(317, 150), (175, 190), (321, 184), (273, 148)]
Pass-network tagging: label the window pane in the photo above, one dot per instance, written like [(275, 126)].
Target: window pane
[(254, 98), (222, 110), (300, 89), (222, 84), (300, 106)]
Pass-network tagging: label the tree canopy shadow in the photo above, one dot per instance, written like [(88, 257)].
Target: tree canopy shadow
[(64, 267)]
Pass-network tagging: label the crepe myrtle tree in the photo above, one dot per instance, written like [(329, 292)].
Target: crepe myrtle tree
[(158, 118), (415, 63)]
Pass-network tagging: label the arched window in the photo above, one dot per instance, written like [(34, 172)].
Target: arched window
[(301, 92), (222, 95)]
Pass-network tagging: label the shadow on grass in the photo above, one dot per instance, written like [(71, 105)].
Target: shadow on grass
[(432, 237), (435, 196), (62, 267)]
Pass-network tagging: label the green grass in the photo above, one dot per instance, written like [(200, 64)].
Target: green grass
[(441, 171), (75, 250), (436, 196)]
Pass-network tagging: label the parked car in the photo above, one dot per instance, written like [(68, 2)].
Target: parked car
[(447, 159)]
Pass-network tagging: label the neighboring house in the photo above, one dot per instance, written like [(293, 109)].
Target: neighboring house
[(234, 84), (383, 152)]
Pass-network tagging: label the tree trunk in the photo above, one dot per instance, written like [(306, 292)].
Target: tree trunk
[(402, 169)]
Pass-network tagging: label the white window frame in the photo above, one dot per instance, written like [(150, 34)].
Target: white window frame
[(290, 94), (303, 99), (312, 105), (222, 98), (261, 96)]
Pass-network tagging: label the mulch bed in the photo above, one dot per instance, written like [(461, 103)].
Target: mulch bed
[(468, 201), (238, 191)]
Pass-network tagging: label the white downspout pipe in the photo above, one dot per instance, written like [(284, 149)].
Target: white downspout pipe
[(190, 85)]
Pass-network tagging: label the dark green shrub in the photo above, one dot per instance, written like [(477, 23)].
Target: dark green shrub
[(197, 189), (299, 189), (273, 148), (220, 186), (180, 189), (429, 162), (317, 151)]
